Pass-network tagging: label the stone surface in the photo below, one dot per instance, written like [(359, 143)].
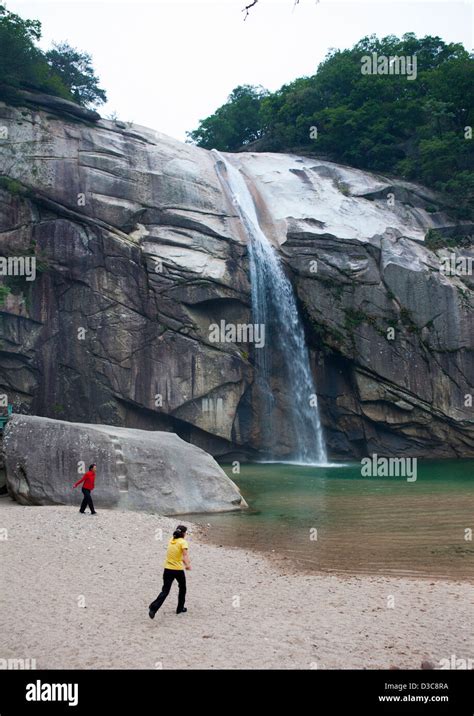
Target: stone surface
[(140, 469), (58, 104), (139, 252)]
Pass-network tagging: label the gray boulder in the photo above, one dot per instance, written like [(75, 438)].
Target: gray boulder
[(138, 469)]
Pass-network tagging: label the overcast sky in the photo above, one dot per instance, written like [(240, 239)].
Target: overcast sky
[(167, 65)]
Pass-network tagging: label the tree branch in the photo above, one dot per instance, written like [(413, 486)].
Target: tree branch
[(247, 8)]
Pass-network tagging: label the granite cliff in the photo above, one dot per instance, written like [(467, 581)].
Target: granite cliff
[(138, 251)]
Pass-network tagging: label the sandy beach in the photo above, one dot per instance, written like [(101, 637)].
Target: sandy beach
[(76, 588)]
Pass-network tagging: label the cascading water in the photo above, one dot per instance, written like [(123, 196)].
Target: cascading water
[(274, 306)]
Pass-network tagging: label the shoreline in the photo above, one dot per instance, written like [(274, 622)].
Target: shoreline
[(76, 594), (280, 562)]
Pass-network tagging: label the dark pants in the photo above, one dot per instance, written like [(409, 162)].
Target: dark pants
[(87, 501), (168, 576)]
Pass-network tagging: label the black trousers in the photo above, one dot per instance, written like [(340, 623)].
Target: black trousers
[(87, 501), (168, 576)]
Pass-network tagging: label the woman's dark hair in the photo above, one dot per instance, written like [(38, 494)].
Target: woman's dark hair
[(93, 465), (180, 531)]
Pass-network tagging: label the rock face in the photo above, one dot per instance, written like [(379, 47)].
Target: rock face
[(140, 469), (139, 252)]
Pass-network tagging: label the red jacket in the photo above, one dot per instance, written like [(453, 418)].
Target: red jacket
[(88, 479)]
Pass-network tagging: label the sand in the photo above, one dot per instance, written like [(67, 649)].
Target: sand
[(76, 588)]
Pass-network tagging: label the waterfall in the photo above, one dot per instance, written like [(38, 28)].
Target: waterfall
[(274, 306)]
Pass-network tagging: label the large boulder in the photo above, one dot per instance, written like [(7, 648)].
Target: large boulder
[(138, 469)]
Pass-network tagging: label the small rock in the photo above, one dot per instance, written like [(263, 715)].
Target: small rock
[(427, 665)]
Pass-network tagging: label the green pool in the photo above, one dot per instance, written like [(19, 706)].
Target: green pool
[(333, 520)]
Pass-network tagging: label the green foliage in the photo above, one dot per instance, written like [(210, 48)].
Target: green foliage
[(63, 71), (434, 239), (354, 318), (75, 70), (388, 123), (407, 320), (233, 125), (22, 64), (343, 188), (13, 186), (4, 291)]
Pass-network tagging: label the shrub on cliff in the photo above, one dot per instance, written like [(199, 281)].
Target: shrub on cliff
[(235, 124), (62, 72)]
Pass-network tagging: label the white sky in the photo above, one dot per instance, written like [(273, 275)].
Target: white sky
[(167, 65)]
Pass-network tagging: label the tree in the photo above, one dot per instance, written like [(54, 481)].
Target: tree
[(76, 72), (235, 123), (63, 71), (22, 64)]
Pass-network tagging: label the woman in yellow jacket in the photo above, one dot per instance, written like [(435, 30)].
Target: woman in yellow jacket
[(177, 560)]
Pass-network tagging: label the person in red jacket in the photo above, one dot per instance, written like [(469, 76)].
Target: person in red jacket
[(89, 482)]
